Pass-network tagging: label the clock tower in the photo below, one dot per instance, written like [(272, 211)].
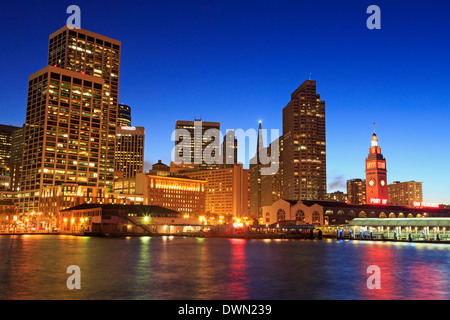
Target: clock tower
[(376, 175)]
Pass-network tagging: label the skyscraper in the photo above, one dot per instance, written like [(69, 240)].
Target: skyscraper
[(6, 133), (16, 158), (356, 191), (304, 150), (405, 193), (70, 125), (129, 156), (255, 177), (199, 142), (124, 116)]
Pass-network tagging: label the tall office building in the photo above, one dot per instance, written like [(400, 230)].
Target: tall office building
[(124, 116), (229, 150), (356, 191), (198, 143), (92, 54), (304, 151), (6, 133), (129, 156), (227, 190), (16, 158), (405, 193), (70, 125)]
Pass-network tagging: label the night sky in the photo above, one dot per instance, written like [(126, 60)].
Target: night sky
[(237, 62)]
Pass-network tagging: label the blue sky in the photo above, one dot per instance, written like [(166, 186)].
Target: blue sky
[(239, 61)]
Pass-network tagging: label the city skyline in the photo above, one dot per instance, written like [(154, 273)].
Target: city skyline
[(412, 154)]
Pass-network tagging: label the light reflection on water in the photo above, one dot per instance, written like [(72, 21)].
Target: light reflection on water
[(34, 267)]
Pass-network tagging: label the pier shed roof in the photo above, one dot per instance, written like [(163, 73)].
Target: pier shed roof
[(407, 222)]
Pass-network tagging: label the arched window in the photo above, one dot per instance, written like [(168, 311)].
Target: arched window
[(362, 214), (281, 215), (316, 217), (329, 212), (392, 215), (267, 217), (410, 215), (341, 213), (372, 215), (352, 213), (401, 215), (383, 215), (419, 216), (300, 216)]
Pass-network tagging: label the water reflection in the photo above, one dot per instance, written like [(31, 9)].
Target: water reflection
[(34, 267), (237, 277)]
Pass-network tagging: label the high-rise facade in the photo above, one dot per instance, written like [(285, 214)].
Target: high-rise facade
[(123, 116), (16, 158), (227, 190), (161, 188), (376, 175), (229, 150), (304, 150), (129, 158), (6, 146), (92, 54), (356, 191), (405, 193), (70, 127), (199, 143)]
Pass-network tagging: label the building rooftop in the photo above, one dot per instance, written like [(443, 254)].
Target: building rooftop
[(325, 203), (139, 209)]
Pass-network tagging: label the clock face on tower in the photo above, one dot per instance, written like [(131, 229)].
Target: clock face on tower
[(372, 182), (382, 183)]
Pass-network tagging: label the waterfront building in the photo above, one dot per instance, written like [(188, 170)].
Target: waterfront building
[(198, 142), (411, 230), (226, 190), (376, 175), (304, 145), (113, 219), (356, 191), (290, 210), (129, 156), (161, 188), (405, 193), (9, 215), (340, 213), (54, 199)]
